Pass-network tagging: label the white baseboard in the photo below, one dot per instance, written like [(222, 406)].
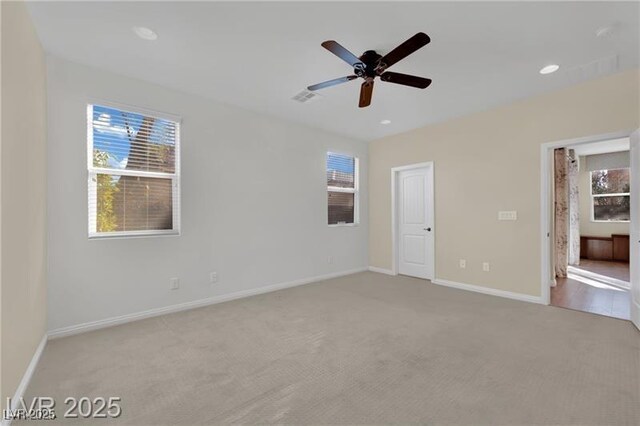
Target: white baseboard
[(381, 270), (26, 377), (489, 291), (109, 322)]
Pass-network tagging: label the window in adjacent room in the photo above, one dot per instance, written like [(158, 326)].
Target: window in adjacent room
[(134, 173), (342, 189), (610, 198)]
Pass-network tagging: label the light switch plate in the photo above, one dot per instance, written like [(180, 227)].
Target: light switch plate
[(508, 215)]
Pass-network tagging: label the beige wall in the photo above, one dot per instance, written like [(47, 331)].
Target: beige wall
[(23, 196), (490, 161), (587, 226)]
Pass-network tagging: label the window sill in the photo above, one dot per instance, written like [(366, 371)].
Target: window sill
[(128, 235), (610, 221), (340, 225)]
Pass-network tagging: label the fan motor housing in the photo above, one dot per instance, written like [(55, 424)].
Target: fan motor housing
[(370, 59)]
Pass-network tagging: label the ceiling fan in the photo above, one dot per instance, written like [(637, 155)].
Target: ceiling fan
[(371, 65)]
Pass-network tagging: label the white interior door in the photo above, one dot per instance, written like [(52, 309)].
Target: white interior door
[(415, 222), (635, 228)]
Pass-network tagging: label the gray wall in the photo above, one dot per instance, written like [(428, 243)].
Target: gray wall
[(254, 205)]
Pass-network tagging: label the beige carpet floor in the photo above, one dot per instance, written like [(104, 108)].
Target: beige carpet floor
[(362, 349)]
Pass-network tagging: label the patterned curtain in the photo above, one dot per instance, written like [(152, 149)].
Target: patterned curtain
[(561, 216), (574, 209)]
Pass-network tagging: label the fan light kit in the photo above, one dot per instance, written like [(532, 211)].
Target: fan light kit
[(549, 69), (145, 33), (371, 65)]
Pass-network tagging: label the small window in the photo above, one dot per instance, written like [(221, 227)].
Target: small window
[(342, 189), (610, 195), (133, 164)]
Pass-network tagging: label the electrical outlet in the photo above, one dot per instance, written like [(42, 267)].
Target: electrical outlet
[(330, 259), (174, 283), (213, 277), (485, 266), (463, 263)]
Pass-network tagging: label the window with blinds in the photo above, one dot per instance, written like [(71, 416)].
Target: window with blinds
[(134, 172), (610, 195), (342, 189)]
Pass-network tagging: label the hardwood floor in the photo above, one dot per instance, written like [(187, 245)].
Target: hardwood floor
[(589, 295), (618, 270)]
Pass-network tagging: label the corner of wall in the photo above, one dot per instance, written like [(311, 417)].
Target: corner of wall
[(23, 232)]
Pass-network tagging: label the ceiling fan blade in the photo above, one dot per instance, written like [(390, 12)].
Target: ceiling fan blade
[(342, 53), (332, 82), (405, 49), (366, 91), (406, 80)]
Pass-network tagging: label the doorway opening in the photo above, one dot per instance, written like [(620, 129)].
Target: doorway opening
[(589, 225), (412, 219)]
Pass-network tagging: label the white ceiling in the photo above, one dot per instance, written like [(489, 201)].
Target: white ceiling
[(258, 55)]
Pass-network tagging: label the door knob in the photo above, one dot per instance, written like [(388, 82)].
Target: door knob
[(427, 229)]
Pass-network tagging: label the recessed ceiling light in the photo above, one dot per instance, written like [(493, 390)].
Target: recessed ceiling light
[(549, 69), (385, 122), (145, 33)]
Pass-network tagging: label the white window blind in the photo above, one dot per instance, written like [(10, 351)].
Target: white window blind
[(342, 189), (134, 172)]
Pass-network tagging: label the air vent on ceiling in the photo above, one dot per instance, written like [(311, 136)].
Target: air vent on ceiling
[(305, 96), (595, 69)]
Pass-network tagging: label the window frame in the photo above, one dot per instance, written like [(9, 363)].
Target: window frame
[(593, 196), (93, 171), (355, 190)]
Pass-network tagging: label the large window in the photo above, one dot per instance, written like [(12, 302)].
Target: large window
[(342, 189), (134, 171), (610, 195)]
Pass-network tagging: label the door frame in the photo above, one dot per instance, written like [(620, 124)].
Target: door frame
[(546, 220), (395, 171)]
